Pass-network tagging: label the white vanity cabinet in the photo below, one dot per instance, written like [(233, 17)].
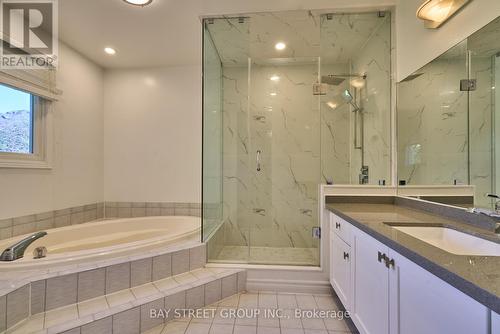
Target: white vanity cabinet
[(495, 322), (423, 303), (340, 276), (340, 259), (370, 305), (388, 294)]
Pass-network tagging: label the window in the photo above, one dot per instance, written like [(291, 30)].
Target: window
[(16, 121), (23, 129)]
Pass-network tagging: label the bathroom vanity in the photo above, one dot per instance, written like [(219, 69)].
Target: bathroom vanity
[(393, 280)]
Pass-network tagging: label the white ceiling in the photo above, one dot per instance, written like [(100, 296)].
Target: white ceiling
[(165, 33), (168, 32)]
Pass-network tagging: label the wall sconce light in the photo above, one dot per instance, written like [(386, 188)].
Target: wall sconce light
[(436, 12)]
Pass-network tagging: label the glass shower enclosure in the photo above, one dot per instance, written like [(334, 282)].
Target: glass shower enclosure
[(289, 98)]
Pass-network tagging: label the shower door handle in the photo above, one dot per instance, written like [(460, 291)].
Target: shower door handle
[(259, 152)]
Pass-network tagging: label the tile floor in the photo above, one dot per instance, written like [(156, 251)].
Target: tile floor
[(287, 324), (268, 255)]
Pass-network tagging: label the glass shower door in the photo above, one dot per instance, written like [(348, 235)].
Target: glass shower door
[(212, 137), (281, 208)]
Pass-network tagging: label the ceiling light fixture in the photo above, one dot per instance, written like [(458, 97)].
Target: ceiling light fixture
[(141, 3), (273, 94), (275, 78), (280, 46), (110, 51), (436, 12)]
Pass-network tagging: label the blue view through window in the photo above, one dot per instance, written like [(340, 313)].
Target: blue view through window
[(16, 121)]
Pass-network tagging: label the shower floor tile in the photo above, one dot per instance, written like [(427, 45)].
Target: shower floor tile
[(268, 255)]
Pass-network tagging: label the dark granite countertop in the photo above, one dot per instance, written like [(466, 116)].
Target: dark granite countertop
[(476, 276)]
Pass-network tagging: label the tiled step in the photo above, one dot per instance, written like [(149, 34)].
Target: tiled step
[(28, 293), (128, 310)]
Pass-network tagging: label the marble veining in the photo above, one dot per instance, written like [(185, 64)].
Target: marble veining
[(269, 110), (445, 134)]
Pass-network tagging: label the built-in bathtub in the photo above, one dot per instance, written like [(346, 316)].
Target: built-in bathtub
[(105, 239)]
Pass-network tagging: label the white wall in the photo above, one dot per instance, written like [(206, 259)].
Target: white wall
[(76, 177), (152, 137), (416, 45)]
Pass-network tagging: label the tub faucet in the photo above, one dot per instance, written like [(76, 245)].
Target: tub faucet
[(16, 251)]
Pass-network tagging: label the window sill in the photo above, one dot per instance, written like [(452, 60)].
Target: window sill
[(24, 163)]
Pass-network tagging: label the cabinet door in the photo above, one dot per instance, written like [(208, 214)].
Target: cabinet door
[(341, 270), (370, 308), (423, 303), (341, 228), (495, 322)]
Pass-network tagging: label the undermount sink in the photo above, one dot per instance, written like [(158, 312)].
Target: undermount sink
[(452, 241)]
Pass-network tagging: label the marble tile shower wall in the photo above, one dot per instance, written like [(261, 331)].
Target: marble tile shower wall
[(93, 212), (434, 145), (480, 127), (432, 125), (336, 141), (276, 206), (374, 60), (356, 44)]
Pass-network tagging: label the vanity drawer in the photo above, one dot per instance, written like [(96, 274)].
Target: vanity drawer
[(341, 228)]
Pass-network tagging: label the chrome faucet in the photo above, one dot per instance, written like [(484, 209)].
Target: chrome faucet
[(495, 214), (16, 251)]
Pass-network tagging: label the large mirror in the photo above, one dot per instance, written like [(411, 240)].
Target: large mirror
[(448, 119)]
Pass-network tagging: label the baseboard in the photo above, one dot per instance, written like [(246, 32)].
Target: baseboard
[(289, 286)]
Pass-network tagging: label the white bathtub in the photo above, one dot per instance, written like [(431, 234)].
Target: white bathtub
[(105, 239)]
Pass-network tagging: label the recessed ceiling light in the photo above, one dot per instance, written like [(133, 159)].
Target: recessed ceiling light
[(141, 3), (280, 46), (273, 94), (275, 78), (110, 51)]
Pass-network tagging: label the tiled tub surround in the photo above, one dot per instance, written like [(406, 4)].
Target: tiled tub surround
[(476, 276), (145, 209), (12, 227), (43, 221), (26, 294)]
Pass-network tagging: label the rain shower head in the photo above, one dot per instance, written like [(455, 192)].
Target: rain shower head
[(332, 80), (337, 79)]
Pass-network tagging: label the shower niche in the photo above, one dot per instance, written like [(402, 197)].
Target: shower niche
[(292, 100)]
